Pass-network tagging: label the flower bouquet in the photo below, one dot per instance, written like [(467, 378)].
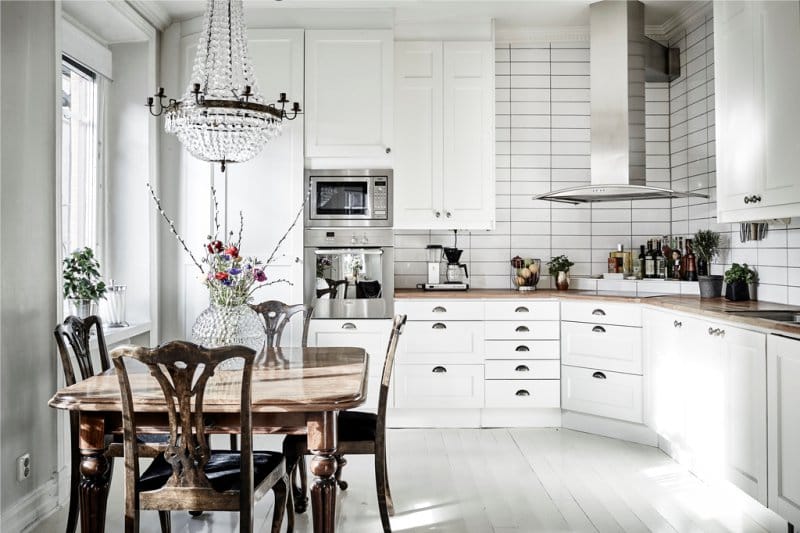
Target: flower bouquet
[(231, 280)]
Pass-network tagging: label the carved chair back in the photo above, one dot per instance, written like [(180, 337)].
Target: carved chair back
[(72, 339), (333, 289), (388, 365), (277, 315), (183, 370)]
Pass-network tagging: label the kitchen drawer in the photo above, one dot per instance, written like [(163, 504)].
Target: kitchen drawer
[(617, 348), (523, 393), (446, 341), (371, 335), (602, 393), (440, 309), (522, 349), (438, 386), (522, 330), (523, 369), (521, 310), (602, 313)]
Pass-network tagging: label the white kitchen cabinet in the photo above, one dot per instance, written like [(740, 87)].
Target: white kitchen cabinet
[(444, 131), (616, 348), (756, 45), (442, 341), (371, 335), (515, 394), (783, 421), (349, 98), (438, 386), (602, 393)]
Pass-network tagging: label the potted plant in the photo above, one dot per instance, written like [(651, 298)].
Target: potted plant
[(736, 277), (83, 286), (559, 269), (706, 246), (752, 283)]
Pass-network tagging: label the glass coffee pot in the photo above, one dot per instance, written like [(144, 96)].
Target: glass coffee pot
[(453, 274)]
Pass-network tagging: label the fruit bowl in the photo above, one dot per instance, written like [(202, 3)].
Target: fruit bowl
[(525, 273)]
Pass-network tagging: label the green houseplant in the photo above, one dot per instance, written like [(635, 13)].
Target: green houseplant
[(736, 279), (83, 286), (558, 267), (706, 246)]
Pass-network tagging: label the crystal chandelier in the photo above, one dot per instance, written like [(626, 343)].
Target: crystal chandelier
[(222, 117)]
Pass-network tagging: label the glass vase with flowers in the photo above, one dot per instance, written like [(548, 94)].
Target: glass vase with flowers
[(231, 279)]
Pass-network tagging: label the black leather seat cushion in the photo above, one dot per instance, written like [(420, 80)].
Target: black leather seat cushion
[(223, 470), (356, 426)]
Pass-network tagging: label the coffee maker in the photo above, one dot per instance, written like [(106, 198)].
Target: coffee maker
[(454, 281)]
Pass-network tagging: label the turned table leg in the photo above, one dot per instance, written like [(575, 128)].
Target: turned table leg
[(322, 444), (95, 471)]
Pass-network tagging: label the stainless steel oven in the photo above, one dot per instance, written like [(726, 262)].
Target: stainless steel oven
[(349, 272), (349, 198)]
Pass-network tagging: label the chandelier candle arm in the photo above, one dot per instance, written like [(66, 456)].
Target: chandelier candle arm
[(222, 117)]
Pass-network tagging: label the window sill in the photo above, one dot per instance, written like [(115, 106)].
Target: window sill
[(117, 335)]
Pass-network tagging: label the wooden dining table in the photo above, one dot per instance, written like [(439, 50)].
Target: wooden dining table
[(295, 391)]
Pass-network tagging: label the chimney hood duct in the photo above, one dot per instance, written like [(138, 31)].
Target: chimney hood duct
[(622, 58)]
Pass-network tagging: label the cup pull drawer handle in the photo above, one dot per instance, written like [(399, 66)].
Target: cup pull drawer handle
[(349, 325), (522, 329), (522, 348), (439, 325), (599, 329), (522, 392), (439, 370), (522, 368), (599, 375), (599, 312), (522, 309), (439, 309), (677, 324)]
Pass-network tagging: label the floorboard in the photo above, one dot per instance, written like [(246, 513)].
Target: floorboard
[(503, 481)]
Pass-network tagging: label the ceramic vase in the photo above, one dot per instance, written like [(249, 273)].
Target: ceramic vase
[(562, 281)]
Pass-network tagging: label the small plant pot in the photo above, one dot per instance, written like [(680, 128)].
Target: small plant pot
[(710, 286), (80, 307), (737, 291), (562, 281), (753, 290)]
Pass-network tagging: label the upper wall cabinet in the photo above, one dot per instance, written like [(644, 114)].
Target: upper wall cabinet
[(349, 97), (756, 46), (444, 135)]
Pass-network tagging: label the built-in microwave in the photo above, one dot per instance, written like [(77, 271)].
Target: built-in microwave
[(345, 198)]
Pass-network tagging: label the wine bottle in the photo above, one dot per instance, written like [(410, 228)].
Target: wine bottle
[(650, 261), (638, 265), (691, 263)]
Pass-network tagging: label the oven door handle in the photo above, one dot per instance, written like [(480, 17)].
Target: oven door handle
[(336, 251)]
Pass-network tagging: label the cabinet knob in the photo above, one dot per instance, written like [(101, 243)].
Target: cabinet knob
[(439, 325), (349, 325), (599, 312), (439, 370), (599, 375), (598, 329), (388, 150), (522, 368), (522, 329), (747, 199), (677, 324), (437, 214), (448, 214), (522, 392), (712, 331), (522, 309), (522, 348), (439, 309)]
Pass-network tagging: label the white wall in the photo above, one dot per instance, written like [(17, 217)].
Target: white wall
[(28, 264)]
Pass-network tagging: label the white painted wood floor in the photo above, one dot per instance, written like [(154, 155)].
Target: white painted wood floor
[(504, 481)]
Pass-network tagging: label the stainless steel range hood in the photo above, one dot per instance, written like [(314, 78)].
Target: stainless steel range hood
[(622, 58)]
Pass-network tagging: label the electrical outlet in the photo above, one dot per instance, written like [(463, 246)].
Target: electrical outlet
[(23, 466)]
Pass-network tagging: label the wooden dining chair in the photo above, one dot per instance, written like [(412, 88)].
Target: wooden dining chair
[(189, 475), (277, 315), (72, 339), (333, 289), (359, 434)]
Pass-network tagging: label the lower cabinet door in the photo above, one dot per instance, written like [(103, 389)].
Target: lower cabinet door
[(438, 386), (617, 348), (522, 393), (523, 369), (371, 335), (602, 393)]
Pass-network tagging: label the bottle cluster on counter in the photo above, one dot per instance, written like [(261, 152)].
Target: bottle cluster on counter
[(667, 257)]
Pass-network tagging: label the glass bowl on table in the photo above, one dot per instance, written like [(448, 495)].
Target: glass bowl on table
[(525, 273)]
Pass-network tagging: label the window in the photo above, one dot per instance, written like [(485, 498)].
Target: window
[(79, 157)]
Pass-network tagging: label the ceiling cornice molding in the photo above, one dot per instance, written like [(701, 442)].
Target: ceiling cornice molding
[(82, 27), (689, 15), (541, 35), (153, 12)]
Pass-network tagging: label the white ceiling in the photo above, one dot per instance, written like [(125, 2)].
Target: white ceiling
[(106, 21), (507, 13)]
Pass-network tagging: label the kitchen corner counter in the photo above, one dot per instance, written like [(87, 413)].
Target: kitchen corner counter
[(713, 308)]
